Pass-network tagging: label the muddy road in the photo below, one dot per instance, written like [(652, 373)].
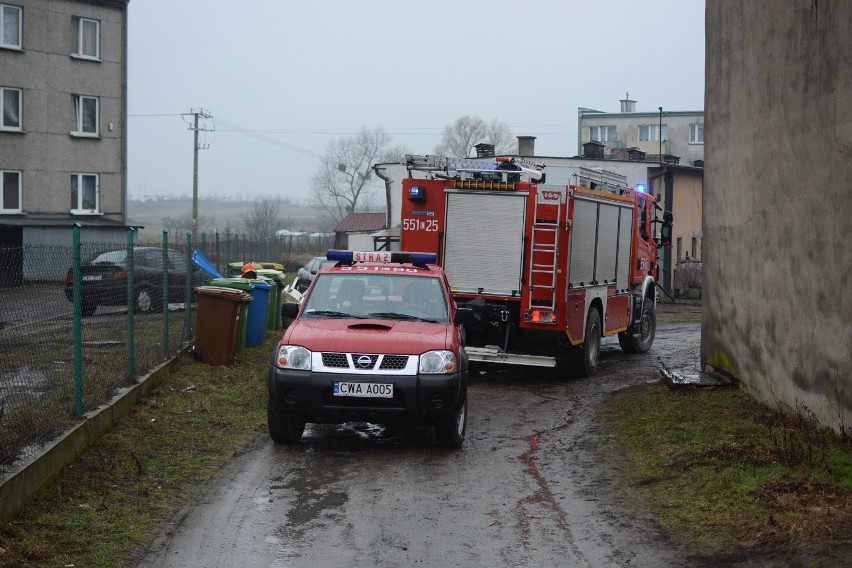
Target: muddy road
[(527, 489)]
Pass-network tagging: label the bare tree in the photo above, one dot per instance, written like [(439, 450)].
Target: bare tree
[(264, 218), (460, 138), (345, 182)]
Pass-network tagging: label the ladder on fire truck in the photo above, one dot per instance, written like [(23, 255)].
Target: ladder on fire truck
[(544, 248), (450, 167)]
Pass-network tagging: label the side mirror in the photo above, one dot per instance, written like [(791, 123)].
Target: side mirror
[(289, 311)]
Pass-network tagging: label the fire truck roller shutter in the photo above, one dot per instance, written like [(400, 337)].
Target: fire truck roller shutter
[(600, 243), (484, 241)]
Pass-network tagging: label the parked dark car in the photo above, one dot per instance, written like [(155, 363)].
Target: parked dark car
[(104, 280), (306, 273)]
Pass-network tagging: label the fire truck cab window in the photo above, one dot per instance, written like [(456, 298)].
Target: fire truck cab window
[(643, 220)]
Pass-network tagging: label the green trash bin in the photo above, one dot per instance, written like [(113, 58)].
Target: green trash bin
[(235, 268), (245, 286), (273, 302)]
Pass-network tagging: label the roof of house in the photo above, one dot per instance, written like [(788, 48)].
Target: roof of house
[(361, 222)]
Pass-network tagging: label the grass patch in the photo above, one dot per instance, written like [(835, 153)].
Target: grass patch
[(727, 474), (119, 494)]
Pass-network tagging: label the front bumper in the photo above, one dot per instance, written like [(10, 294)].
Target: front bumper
[(417, 398)]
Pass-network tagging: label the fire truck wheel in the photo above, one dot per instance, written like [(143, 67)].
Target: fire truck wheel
[(284, 426), (449, 432), (647, 330), (591, 344)]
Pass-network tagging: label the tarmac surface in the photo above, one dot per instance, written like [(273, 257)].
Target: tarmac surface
[(529, 488)]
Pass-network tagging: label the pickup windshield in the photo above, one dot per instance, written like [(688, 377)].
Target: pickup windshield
[(379, 296)]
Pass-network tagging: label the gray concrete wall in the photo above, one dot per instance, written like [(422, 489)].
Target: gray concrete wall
[(49, 75), (778, 201)]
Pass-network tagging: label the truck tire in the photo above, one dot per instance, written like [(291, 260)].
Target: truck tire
[(591, 349), (631, 343), (450, 430), (284, 426)]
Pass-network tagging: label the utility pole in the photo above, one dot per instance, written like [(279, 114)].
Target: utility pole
[(200, 113), (661, 134)]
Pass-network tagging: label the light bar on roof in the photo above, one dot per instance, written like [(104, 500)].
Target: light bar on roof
[(386, 257)]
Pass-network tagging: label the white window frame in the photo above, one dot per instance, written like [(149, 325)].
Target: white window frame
[(81, 36), (603, 133), (3, 126), (77, 118), (77, 208), (4, 41), (693, 133), (652, 133), (3, 208)]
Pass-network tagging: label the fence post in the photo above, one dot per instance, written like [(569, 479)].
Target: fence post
[(78, 339), (131, 305), (188, 296), (165, 294), (204, 243), (227, 247)]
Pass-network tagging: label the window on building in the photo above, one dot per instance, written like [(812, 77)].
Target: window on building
[(602, 133), (696, 134), (85, 120), (10, 198), (84, 193), (653, 132), (10, 26), (10, 100), (88, 38)]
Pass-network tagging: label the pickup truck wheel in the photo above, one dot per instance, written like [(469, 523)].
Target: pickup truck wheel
[(284, 426), (647, 330), (591, 349), (450, 430)]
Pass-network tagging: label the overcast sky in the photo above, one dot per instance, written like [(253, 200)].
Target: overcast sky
[(281, 79)]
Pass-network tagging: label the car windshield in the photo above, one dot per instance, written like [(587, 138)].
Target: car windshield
[(112, 257), (379, 296)]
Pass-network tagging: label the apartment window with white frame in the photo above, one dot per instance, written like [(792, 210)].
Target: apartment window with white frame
[(10, 198), (88, 38), (696, 134), (10, 108), (85, 119), (602, 133), (10, 26), (650, 132), (84, 193)]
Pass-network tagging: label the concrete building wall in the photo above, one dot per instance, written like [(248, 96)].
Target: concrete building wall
[(50, 74), (627, 132), (778, 203)]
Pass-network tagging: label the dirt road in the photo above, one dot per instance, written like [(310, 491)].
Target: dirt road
[(527, 488)]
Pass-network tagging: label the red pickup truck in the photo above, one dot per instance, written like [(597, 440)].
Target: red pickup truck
[(377, 338)]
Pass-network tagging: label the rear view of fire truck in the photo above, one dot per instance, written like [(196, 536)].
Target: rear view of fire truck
[(548, 262)]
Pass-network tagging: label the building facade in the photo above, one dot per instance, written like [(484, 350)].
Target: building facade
[(676, 135), (777, 309), (63, 139)]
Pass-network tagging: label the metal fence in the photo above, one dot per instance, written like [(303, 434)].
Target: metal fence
[(97, 317)]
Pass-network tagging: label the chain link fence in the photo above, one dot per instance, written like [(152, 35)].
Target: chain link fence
[(77, 323)]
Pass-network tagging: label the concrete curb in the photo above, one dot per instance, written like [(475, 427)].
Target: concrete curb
[(35, 476)]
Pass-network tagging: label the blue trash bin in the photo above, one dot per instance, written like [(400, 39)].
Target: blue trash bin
[(256, 324)]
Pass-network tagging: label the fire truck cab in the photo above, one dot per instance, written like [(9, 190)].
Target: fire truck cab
[(546, 269)]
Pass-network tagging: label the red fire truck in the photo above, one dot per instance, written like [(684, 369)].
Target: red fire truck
[(548, 266)]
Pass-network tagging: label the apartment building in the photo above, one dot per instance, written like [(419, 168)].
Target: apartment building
[(63, 139), (675, 137)]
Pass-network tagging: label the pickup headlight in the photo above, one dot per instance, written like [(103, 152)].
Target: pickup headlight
[(293, 357), (433, 362)]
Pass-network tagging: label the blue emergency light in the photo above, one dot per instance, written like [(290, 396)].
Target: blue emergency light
[(417, 194), (640, 187), (386, 257)]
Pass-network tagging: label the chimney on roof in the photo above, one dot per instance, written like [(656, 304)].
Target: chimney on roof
[(627, 105), (526, 146), (484, 150), (593, 150)]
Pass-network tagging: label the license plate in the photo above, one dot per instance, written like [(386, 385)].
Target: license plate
[(373, 390), (89, 277)]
